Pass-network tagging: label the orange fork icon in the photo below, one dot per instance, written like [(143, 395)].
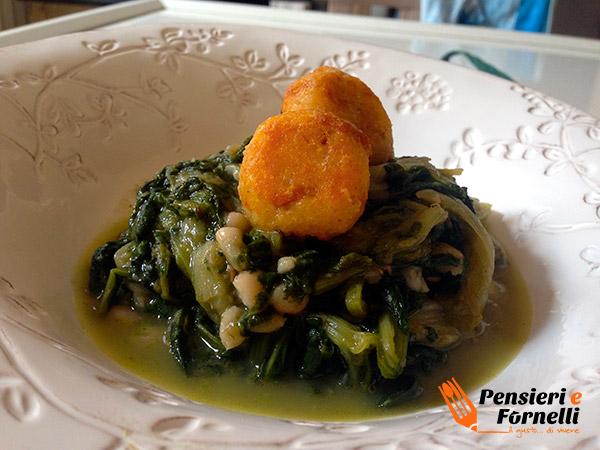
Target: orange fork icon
[(461, 407)]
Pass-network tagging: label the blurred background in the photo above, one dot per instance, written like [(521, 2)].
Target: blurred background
[(566, 17)]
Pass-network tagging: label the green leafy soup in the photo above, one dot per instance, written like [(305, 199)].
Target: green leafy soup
[(193, 299)]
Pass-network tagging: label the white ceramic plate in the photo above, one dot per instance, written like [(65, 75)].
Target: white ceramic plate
[(87, 117)]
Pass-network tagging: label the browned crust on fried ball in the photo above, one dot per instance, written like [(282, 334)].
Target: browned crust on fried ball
[(331, 90), (305, 173)]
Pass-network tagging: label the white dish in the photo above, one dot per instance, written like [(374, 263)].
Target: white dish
[(88, 117)]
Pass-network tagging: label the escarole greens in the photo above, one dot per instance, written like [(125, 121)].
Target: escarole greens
[(371, 308)]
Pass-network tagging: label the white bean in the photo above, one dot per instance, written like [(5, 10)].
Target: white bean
[(414, 279), (233, 170), (238, 220), (248, 287), (286, 264), (285, 304), (230, 331), (231, 243), (274, 323)]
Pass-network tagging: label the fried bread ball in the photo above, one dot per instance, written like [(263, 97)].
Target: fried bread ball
[(331, 90), (305, 173)]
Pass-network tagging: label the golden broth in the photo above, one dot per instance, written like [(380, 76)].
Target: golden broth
[(138, 346)]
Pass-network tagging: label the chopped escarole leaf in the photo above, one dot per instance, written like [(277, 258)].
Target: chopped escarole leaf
[(394, 235), (211, 280), (406, 175), (465, 308), (391, 347), (353, 344)]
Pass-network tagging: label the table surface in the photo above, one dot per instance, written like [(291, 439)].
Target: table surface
[(567, 68)]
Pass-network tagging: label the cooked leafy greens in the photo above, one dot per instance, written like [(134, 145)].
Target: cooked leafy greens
[(371, 308)]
